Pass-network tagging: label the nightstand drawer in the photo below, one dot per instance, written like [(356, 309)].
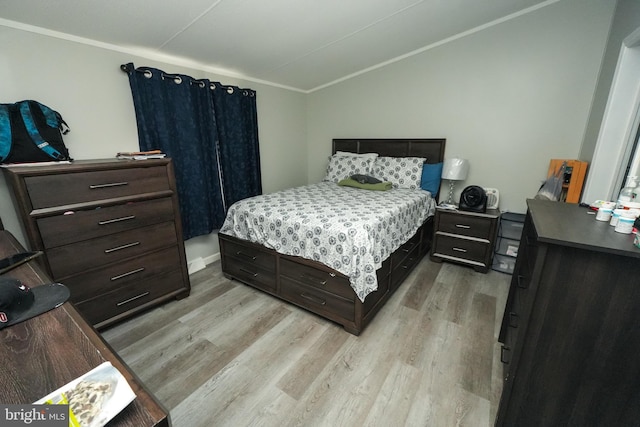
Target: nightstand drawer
[(472, 250), (464, 225)]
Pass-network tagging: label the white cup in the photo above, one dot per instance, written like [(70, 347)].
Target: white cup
[(625, 223), (615, 216), (604, 214)]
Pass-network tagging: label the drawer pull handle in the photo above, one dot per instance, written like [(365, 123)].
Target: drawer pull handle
[(111, 184), (522, 284), (466, 227), (251, 273), (132, 299), (119, 248), (240, 253), (310, 278), (111, 221), (504, 350), (408, 264), (513, 319), (408, 247), (459, 249), (313, 299), (129, 273)]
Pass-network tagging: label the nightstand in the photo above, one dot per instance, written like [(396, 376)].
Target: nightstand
[(465, 237)]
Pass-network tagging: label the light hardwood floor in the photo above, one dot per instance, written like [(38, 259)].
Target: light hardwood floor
[(229, 355)]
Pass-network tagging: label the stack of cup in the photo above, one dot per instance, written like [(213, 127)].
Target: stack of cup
[(626, 220), (615, 216), (605, 210)]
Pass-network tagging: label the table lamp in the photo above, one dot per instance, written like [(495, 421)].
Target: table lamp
[(454, 170)]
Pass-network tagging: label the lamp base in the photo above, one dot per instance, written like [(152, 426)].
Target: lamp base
[(452, 183), (448, 206)]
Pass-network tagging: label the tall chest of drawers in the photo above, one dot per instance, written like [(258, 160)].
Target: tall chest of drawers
[(570, 330), (110, 230)]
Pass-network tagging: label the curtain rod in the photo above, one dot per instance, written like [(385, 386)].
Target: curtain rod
[(129, 68)]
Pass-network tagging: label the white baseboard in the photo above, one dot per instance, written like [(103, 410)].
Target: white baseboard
[(200, 263)]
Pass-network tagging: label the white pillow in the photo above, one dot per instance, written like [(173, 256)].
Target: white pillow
[(402, 172), (341, 167), (364, 155)]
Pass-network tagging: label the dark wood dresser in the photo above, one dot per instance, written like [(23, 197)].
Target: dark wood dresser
[(465, 237), (571, 327), (110, 231), (46, 352)]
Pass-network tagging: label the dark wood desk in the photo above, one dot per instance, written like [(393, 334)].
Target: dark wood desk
[(44, 353)]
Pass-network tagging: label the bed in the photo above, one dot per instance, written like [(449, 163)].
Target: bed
[(293, 257)]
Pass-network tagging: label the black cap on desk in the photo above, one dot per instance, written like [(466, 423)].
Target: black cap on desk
[(19, 302)]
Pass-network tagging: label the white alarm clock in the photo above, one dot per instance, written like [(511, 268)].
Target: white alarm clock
[(493, 198)]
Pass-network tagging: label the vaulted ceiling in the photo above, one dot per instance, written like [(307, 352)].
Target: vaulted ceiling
[(300, 44)]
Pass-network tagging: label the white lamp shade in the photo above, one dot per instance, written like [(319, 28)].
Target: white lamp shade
[(455, 169)]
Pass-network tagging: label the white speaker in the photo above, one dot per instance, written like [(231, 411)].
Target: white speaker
[(493, 198)]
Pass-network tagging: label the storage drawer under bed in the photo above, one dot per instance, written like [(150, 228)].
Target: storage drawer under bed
[(248, 254), (309, 276), (317, 300)]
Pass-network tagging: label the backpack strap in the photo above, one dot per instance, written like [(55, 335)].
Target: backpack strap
[(32, 129), (5, 132)]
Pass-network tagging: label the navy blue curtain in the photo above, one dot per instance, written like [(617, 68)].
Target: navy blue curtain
[(203, 127), (238, 137)]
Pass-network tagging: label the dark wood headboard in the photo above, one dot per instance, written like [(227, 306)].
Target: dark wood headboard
[(431, 148)]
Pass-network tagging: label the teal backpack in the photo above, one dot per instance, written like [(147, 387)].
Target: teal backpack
[(31, 132)]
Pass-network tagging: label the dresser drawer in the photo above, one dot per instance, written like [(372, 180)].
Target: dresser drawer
[(80, 187), (316, 300), (78, 257), (249, 255), (472, 250), (89, 224), (117, 302), (465, 225), (97, 282), (309, 276)]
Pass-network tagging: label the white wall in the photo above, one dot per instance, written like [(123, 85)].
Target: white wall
[(625, 20), (619, 128), (508, 98), (84, 83)]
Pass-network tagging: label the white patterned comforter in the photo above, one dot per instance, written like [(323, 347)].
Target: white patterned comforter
[(348, 229)]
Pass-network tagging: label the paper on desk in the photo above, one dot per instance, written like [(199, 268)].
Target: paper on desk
[(94, 398)]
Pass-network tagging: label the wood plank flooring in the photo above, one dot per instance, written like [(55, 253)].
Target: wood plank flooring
[(229, 355)]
